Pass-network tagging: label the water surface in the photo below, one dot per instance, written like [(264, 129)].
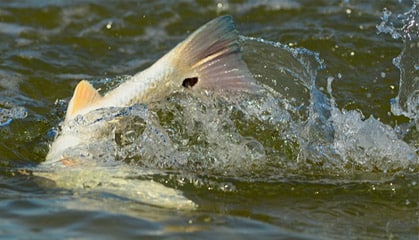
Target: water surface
[(328, 151)]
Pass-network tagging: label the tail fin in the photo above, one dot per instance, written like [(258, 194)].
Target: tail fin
[(213, 55)]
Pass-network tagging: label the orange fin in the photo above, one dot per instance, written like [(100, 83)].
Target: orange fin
[(84, 95)]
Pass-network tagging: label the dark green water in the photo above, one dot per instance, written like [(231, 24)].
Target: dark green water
[(306, 161)]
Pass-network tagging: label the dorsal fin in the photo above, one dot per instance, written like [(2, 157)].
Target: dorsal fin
[(84, 95)]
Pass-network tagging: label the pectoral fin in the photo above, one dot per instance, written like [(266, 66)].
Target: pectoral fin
[(84, 95)]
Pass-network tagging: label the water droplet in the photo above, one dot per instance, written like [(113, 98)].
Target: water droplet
[(329, 84), (109, 25)]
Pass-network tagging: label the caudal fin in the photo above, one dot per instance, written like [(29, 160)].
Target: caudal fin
[(212, 55)]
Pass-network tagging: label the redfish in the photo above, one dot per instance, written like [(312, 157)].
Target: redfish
[(209, 59)]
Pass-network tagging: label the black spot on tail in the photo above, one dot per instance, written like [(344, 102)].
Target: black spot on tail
[(189, 82)]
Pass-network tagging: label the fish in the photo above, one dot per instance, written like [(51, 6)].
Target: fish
[(208, 60)]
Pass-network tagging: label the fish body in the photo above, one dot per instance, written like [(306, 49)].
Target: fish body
[(209, 59)]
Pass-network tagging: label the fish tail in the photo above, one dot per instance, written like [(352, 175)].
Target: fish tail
[(211, 58)]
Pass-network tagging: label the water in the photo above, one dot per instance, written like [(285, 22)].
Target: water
[(328, 150)]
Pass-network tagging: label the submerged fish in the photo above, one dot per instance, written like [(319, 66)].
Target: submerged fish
[(209, 59)]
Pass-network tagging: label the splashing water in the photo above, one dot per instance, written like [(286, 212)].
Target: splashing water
[(407, 101), (296, 158), (291, 128), (8, 112)]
